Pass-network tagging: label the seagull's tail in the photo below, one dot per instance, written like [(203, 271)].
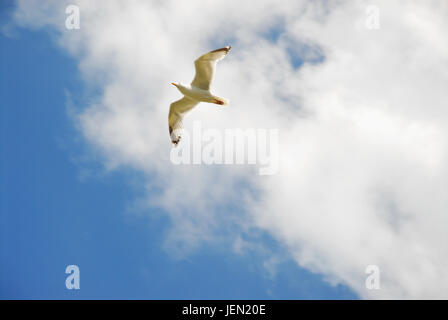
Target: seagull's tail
[(220, 101)]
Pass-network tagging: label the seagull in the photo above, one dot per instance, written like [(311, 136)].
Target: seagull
[(197, 91)]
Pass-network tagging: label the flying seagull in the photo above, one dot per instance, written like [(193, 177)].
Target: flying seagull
[(198, 91)]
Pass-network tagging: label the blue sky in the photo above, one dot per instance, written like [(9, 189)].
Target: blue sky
[(52, 214)]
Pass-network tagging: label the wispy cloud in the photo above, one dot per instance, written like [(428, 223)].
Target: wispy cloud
[(363, 135)]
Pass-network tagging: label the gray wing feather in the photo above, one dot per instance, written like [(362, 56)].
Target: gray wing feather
[(177, 112), (205, 67)]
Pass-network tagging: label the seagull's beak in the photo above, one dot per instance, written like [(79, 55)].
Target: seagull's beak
[(174, 84)]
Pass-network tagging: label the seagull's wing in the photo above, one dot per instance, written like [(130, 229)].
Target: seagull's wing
[(177, 111), (205, 67)]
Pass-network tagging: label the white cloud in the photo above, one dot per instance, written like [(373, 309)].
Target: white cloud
[(363, 163)]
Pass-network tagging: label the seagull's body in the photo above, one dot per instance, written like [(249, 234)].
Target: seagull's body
[(198, 91)]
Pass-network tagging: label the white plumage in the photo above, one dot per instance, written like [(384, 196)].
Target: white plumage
[(198, 91)]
